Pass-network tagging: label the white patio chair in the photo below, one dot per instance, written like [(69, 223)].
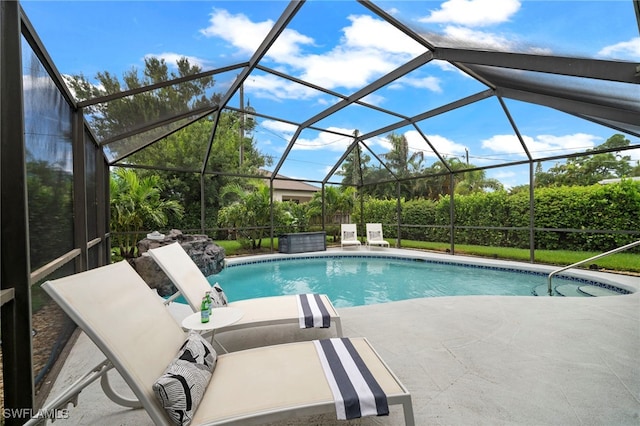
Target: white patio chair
[(349, 235), (374, 235)]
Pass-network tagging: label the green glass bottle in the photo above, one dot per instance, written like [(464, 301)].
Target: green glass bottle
[(209, 302), (204, 310)]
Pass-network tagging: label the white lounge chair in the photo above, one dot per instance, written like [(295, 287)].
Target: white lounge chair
[(349, 235), (374, 235), (139, 336), (261, 311)]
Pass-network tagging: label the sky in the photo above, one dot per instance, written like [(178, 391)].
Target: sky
[(342, 46)]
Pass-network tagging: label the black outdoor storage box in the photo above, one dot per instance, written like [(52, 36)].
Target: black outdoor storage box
[(302, 242)]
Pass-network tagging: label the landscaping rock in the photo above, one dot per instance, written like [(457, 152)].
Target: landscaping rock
[(205, 253)]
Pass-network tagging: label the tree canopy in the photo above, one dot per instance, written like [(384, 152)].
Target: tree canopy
[(590, 169)]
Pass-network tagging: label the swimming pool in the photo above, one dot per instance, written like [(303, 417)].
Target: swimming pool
[(365, 280)]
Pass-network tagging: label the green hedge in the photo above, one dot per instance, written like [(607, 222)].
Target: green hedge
[(596, 207)]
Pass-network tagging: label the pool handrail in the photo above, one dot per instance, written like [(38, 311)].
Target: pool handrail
[(616, 250)]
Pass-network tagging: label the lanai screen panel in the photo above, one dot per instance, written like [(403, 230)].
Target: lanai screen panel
[(549, 133), (315, 152), (273, 93), (433, 85), (49, 163), (184, 149), (358, 118), (118, 118), (133, 149), (475, 135), (271, 138)]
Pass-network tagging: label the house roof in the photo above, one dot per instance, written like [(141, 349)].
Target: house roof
[(285, 183)]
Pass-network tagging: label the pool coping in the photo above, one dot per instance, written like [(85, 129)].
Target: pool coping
[(620, 283)]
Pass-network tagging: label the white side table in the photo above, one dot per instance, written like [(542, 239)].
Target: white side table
[(220, 317)]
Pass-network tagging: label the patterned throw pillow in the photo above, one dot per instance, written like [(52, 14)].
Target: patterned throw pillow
[(349, 235), (375, 235), (218, 297), (181, 387)]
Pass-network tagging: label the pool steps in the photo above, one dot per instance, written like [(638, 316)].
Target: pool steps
[(574, 290)]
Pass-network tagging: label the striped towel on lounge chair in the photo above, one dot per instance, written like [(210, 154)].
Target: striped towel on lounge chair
[(355, 391), (312, 311)]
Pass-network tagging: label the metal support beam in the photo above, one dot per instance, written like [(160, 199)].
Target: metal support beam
[(577, 67), (104, 207), (80, 233), (574, 106), (14, 230), (515, 128), (452, 213), (532, 215)]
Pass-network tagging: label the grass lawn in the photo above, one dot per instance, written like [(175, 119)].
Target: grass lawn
[(620, 262)]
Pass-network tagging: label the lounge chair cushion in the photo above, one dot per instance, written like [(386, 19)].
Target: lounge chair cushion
[(218, 297), (181, 387)]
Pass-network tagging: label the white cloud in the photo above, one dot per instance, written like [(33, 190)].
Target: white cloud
[(481, 39), (245, 35), (368, 49), (351, 69), (634, 154), (367, 33), (374, 99), (624, 50), (444, 146), (326, 141), (378, 141), (541, 145), (277, 89), (280, 127), (430, 83), (473, 13)]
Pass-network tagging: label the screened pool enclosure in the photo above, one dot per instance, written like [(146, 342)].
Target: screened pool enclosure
[(400, 99)]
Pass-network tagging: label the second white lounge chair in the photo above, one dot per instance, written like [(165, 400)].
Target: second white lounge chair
[(262, 311), (349, 235), (139, 336), (374, 235)]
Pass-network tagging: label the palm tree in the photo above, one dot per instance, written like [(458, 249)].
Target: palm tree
[(403, 163), (476, 181), (136, 205)]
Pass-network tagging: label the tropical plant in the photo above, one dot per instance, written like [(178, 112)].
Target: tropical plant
[(135, 206), (338, 203), (250, 212)]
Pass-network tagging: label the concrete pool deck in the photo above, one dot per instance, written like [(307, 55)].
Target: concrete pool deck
[(487, 360)]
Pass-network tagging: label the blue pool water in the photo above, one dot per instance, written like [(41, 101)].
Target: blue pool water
[(355, 281)]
